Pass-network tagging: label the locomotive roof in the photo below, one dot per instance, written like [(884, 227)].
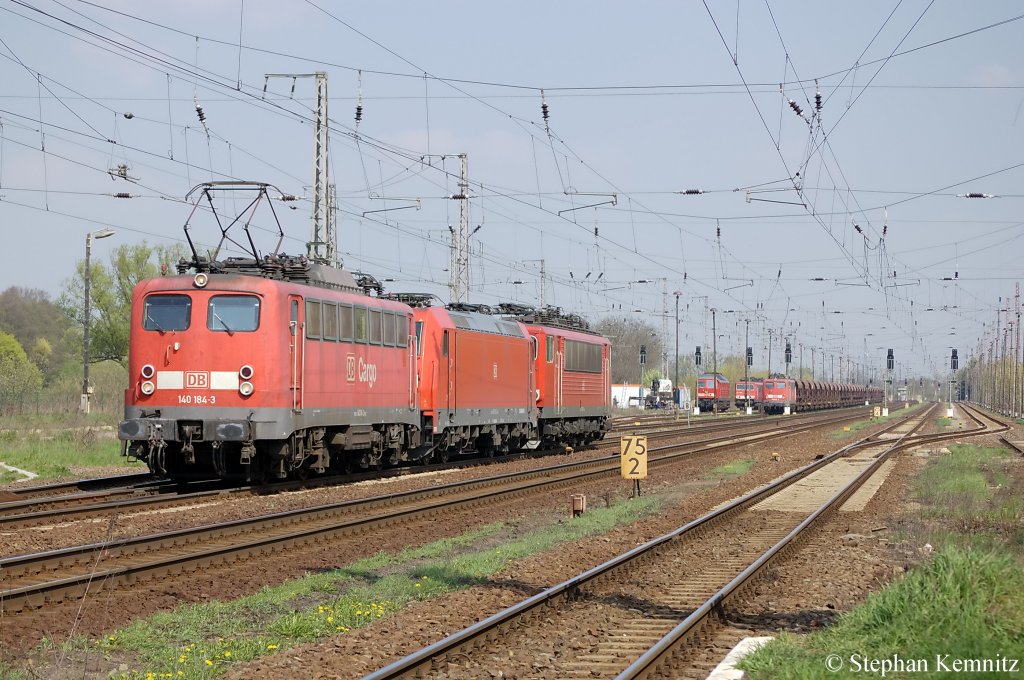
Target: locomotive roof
[(482, 323), (715, 375)]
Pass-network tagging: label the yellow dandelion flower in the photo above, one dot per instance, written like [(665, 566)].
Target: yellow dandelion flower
[(227, 653), (149, 676), (209, 663), (112, 638), (417, 585), (271, 646), (330, 619)]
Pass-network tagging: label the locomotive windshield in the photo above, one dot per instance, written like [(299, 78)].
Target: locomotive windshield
[(233, 313), (167, 313)]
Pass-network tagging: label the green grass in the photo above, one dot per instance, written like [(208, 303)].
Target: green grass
[(51, 456), (203, 640), (944, 421), (57, 421), (965, 603), (852, 428), (969, 499), (733, 468)]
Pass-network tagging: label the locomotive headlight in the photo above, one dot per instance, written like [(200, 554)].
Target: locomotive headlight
[(148, 371), (201, 279), (148, 387), (245, 372), (245, 389)]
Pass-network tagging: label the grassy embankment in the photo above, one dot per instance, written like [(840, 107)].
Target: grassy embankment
[(965, 601), (203, 640), (58, 453)]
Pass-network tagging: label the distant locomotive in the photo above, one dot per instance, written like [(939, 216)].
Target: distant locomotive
[(750, 393), (713, 392), (811, 395), (269, 367)]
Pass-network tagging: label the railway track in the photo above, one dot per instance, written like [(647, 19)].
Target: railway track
[(79, 485), (36, 580), (638, 615), (149, 494)]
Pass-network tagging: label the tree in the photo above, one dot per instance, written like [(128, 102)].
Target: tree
[(18, 375), (626, 335), (41, 326), (110, 295)]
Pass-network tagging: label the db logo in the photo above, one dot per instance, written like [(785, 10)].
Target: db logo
[(197, 380), (350, 368)]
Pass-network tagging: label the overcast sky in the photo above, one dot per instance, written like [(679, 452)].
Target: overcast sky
[(842, 228)]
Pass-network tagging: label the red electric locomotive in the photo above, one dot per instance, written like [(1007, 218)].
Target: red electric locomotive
[(237, 375), (476, 382), (750, 392), (573, 374), (713, 392)]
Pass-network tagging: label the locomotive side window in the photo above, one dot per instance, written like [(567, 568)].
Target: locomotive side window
[(345, 323), (313, 319), (550, 349), (361, 334), (375, 321), (167, 313), (419, 338), (330, 321), (233, 313), (402, 330), (389, 329), (582, 357)]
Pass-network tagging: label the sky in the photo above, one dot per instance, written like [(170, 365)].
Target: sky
[(671, 165)]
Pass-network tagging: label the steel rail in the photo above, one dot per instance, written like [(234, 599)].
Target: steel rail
[(663, 656), (29, 585), (428, 660), (73, 507)]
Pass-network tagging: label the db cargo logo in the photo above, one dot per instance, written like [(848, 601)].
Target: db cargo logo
[(197, 380), (350, 368)]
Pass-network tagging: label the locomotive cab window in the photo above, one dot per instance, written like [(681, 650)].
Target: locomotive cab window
[(233, 313), (419, 338), (313, 319), (550, 349), (167, 313)]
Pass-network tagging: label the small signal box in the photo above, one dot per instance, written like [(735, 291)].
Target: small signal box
[(633, 456)]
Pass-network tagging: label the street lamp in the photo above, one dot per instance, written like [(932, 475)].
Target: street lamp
[(86, 390), (676, 383)]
